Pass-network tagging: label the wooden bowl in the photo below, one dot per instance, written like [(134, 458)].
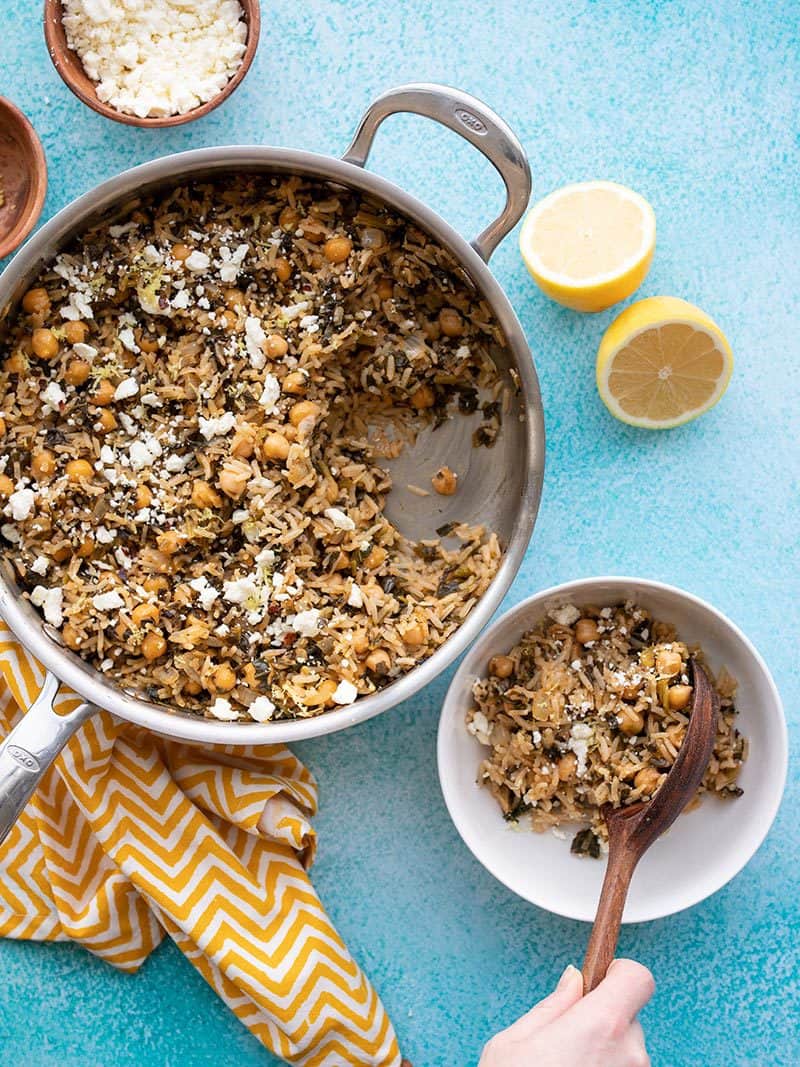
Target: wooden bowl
[(74, 76), (23, 170)]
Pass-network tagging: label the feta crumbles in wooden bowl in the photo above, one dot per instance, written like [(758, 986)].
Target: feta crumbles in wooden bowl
[(152, 62)]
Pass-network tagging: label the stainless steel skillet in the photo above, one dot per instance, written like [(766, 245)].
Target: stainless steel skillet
[(501, 485)]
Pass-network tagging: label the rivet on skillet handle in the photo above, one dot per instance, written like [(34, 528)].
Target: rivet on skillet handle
[(477, 124), (31, 747)]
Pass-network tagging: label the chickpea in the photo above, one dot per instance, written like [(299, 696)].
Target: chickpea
[(170, 541), (302, 410), (647, 779), (224, 678), (145, 613), (567, 766), (337, 249), (324, 693), (107, 421), (43, 464), (77, 470), (376, 556), (445, 481), (75, 331), (193, 688), (103, 394), (36, 301), (156, 584), (44, 344), (70, 637), (275, 446), (450, 322), (153, 645), (631, 722), (379, 662), (288, 218), (414, 635), (205, 495), (144, 497), (360, 642), (154, 560), (234, 477), (501, 666), (85, 548), (77, 371), (243, 445), (385, 289), (679, 696), (147, 344), (586, 631), (16, 363), (423, 398), (234, 298), (295, 383), (181, 252), (6, 486), (668, 662), (228, 320), (277, 346), (283, 269)]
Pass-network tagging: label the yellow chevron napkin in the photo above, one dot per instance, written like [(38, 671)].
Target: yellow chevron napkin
[(132, 836)]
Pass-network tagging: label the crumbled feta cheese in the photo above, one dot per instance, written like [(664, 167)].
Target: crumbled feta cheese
[(108, 455), (11, 533), (345, 693), (262, 709), (151, 400), (197, 261), (207, 594), (579, 744), (108, 601), (254, 340), (340, 519), (576, 665), (355, 598), (122, 49), (175, 463), (294, 311), (20, 504), (40, 565), (270, 394), (51, 602), (565, 615), (127, 340), (221, 709), (180, 300), (480, 729), (230, 262), (54, 395), (239, 590), (217, 426), (306, 623), (126, 388), (104, 535), (84, 351), (144, 453)]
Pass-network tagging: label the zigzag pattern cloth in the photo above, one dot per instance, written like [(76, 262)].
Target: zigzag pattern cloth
[(132, 836)]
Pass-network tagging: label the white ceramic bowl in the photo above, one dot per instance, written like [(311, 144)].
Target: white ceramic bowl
[(703, 850)]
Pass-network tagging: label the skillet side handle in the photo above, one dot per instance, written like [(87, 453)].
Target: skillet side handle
[(473, 121), (30, 748)]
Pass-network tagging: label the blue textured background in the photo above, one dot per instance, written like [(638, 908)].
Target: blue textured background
[(691, 104)]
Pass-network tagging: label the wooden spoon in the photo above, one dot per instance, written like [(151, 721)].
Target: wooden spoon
[(632, 830)]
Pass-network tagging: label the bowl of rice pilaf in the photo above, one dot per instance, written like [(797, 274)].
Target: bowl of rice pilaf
[(576, 701), (202, 403)]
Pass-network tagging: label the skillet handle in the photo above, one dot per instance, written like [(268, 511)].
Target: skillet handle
[(31, 747), (476, 123)]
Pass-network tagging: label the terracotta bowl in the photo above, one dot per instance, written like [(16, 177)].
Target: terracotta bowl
[(74, 76), (23, 170)]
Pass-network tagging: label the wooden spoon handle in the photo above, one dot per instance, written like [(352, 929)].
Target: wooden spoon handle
[(605, 932)]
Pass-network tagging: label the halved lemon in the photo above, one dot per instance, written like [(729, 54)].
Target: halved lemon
[(589, 245), (662, 362)]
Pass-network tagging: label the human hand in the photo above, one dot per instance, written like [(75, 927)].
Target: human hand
[(568, 1029)]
